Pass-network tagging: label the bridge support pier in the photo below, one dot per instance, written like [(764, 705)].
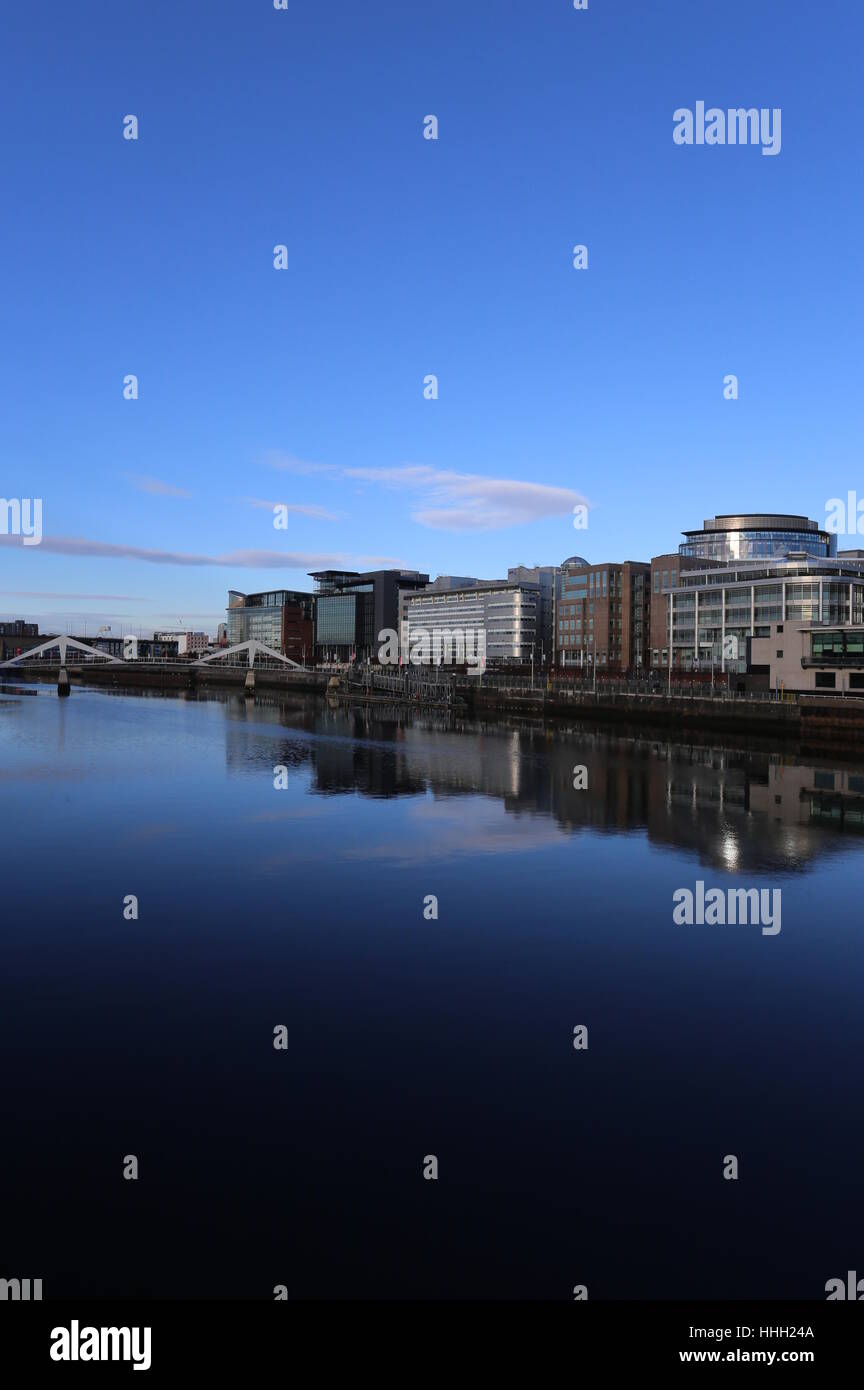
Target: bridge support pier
[(249, 687), (63, 687)]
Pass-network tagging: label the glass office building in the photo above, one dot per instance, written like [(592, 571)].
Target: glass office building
[(351, 609), (258, 617), (336, 624), (757, 536), (713, 612)]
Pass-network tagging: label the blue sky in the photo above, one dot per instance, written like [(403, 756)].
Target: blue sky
[(406, 257)]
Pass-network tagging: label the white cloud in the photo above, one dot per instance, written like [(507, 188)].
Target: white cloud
[(288, 463), (299, 508), (451, 501), (234, 559), (483, 504), (156, 487)]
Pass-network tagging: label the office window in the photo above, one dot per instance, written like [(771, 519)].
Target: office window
[(826, 680), (656, 581), (780, 653)]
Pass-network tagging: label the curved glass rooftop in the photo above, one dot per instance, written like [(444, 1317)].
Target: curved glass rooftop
[(757, 536)]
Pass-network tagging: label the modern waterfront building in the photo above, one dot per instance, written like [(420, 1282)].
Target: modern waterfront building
[(665, 570), (352, 609), (603, 616), (546, 578), (282, 619), (805, 656), (757, 536), (712, 612), (502, 617)]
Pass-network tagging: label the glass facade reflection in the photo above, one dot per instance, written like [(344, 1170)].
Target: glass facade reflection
[(353, 608), (760, 536), (336, 620), (839, 648)]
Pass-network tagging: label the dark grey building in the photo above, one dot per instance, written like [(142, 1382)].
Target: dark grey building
[(351, 609)]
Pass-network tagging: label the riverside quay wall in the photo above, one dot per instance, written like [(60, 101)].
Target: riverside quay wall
[(818, 721), (139, 675), (808, 719)]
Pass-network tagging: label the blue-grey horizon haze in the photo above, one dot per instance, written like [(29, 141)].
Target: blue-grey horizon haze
[(408, 257)]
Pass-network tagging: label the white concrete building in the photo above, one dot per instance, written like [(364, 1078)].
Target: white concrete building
[(811, 657), (504, 616)]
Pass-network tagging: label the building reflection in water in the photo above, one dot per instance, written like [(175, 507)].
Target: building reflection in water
[(739, 809)]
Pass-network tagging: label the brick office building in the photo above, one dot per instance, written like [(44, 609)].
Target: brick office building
[(603, 617), (298, 631)]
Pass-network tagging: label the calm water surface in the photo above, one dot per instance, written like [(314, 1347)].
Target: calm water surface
[(408, 1037)]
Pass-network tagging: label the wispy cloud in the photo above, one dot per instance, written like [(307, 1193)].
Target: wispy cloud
[(289, 463), (49, 593), (234, 559), (482, 504), (451, 501), (300, 508), (155, 486)]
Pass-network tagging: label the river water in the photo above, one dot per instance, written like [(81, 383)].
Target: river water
[(309, 905)]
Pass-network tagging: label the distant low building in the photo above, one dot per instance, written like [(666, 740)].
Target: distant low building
[(131, 648), (452, 581), (187, 642), (17, 637)]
